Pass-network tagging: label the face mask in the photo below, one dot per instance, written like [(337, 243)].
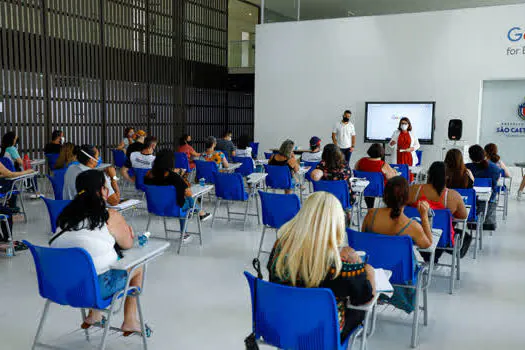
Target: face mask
[(62, 140), (99, 160), (346, 119), (404, 127), (190, 142)]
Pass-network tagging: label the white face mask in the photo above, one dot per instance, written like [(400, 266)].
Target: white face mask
[(404, 127), (62, 140)]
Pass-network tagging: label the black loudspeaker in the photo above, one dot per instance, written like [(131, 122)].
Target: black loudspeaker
[(455, 129)]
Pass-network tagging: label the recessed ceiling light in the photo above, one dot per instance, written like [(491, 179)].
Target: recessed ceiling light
[(249, 14)]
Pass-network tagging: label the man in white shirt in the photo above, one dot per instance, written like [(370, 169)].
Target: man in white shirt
[(144, 159), (343, 136)]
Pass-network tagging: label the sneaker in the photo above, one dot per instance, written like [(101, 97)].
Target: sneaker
[(187, 238), (205, 217)]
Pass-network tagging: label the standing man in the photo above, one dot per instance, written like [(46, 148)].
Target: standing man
[(343, 136)]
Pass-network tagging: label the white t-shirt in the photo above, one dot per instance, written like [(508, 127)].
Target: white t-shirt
[(99, 243), (312, 156), (141, 161), (343, 134), (243, 152), (70, 191)]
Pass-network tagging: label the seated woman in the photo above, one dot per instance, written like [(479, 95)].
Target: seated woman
[(164, 174), (211, 155), (286, 157), (310, 253), (375, 163), (457, 174), (10, 149), (315, 154), (492, 154), (393, 222), (67, 156), (186, 147), (243, 147), (87, 223), (333, 166), (127, 140)]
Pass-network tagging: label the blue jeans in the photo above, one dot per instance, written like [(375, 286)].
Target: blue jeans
[(348, 154), (188, 205)]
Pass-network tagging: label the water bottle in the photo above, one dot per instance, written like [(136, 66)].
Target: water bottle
[(26, 162), (9, 250), (143, 239), (202, 182)]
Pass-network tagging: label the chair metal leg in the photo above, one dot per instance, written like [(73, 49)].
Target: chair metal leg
[(183, 231), (149, 222), (425, 305), (452, 269), (142, 324), (165, 227), (415, 323), (217, 204), (228, 210), (257, 208), (84, 316), (261, 242), (246, 214), (199, 226), (41, 324), (106, 328)]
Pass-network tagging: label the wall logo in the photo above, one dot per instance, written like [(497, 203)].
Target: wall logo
[(516, 35), (521, 111), (515, 128)]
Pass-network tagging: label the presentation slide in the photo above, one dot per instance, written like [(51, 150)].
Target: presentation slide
[(383, 118)]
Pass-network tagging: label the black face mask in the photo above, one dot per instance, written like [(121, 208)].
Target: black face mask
[(189, 142), (346, 119)]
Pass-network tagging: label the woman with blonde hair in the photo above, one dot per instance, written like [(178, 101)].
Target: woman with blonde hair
[(67, 156), (310, 253)]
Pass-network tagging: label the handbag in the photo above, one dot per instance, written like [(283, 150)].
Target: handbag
[(250, 341)]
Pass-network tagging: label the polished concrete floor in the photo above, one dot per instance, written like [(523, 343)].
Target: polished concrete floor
[(199, 299)]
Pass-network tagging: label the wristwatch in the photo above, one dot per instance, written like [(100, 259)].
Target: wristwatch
[(114, 178)]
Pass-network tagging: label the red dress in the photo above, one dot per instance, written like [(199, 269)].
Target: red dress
[(404, 142), (369, 165)]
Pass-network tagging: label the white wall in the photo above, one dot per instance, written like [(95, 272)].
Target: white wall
[(307, 73)]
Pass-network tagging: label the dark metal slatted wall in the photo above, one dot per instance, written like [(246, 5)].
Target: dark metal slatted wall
[(91, 68)]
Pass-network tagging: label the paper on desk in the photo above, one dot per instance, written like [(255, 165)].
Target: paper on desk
[(382, 279), (125, 204)]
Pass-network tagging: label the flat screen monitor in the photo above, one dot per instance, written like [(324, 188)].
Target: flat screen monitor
[(382, 119)]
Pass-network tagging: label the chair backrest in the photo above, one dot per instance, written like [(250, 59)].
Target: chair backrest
[(51, 159), (57, 182), (279, 177), (54, 208), (255, 149), (419, 154), (285, 323), (482, 182), (230, 187), (206, 170), (377, 182), (140, 174), (277, 209), (442, 220), (312, 165), (337, 188), (8, 163), (119, 157), (182, 161), (469, 198), (162, 201), (66, 276), (394, 253), (402, 169), (268, 155), (247, 165)]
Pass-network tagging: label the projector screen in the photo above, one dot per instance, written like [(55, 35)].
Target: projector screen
[(382, 119)]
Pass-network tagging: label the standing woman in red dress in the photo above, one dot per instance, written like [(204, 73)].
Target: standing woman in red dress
[(407, 145)]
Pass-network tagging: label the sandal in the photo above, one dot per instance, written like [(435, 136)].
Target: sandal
[(149, 332), (101, 323)]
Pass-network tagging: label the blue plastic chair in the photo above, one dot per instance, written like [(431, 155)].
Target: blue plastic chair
[(268, 155), (140, 174), (338, 189), (51, 160), (377, 183), (119, 157), (312, 165), (54, 208), (279, 177), (68, 277), (9, 188), (284, 322), (230, 188), (482, 182), (162, 201), (206, 170), (419, 155), (402, 169), (395, 253), (255, 149), (277, 209), (182, 161), (57, 182), (473, 220), (442, 220), (247, 166)]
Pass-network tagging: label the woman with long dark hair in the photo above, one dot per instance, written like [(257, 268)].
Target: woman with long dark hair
[(333, 166), (10, 149), (86, 223), (457, 174), (67, 156)]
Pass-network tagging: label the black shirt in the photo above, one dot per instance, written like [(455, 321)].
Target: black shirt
[(52, 148), (134, 147), (172, 179)]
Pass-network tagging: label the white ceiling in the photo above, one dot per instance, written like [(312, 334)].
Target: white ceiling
[(318, 9)]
